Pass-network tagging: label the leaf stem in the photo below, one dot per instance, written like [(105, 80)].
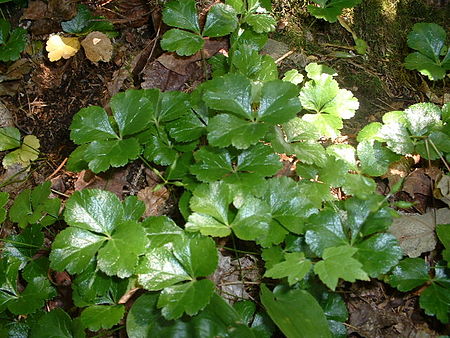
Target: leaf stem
[(438, 152), (19, 243), (240, 251)]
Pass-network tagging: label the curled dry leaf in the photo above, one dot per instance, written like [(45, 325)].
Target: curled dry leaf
[(442, 190), (61, 47), (416, 233), (97, 47)]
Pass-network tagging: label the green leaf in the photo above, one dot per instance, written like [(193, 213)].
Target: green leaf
[(247, 60), (9, 138), (84, 22), (95, 217), (429, 40), (279, 102), (117, 257), (133, 110), (421, 118), (435, 299), (409, 274), (29, 151), (187, 128), (133, 208), (338, 263), (101, 155), (327, 125), (370, 132), (324, 231), (329, 10), (261, 22), (293, 76), (5, 27), (225, 130), (91, 124), (231, 93), (98, 317), (4, 196), (16, 43), (159, 269), (221, 20), (396, 135), (215, 164), (443, 233), (315, 70), (187, 298), (34, 206), (24, 245), (159, 150), (378, 254), (95, 210), (73, 249), (360, 186), (295, 267), (161, 230), (181, 14), (54, 324), (182, 42), (293, 320), (375, 158)]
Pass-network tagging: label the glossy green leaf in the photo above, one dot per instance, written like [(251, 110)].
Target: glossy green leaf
[(231, 93), (84, 22), (279, 102), (370, 132), (181, 14), (225, 130), (101, 155), (182, 42), (429, 41), (133, 208), (375, 158), (187, 298), (9, 138), (91, 124), (338, 263), (24, 245), (5, 27), (221, 20), (295, 267), (329, 10), (161, 230), (73, 249), (327, 125), (378, 254), (159, 150), (324, 231), (359, 186), (94, 210), (214, 164), (117, 256), (159, 269), (132, 110), (187, 128), (98, 317), (435, 299), (54, 324), (443, 233), (395, 133), (409, 274), (296, 313), (261, 22)]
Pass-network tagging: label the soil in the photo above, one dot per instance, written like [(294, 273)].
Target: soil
[(44, 97)]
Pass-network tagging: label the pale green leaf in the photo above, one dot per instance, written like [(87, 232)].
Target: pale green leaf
[(422, 118), (293, 76), (187, 298), (261, 22), (295, 267), (329, 10), (375, 158), (338, 263), (326, 124)]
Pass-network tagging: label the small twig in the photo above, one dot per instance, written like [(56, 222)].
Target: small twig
[(59, 193), (57, 169), (281, 58)]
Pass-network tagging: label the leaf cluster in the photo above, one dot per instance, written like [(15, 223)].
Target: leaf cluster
[(28, 149), (329, 10), (12, 42)]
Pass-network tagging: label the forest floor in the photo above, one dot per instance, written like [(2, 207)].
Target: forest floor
[(40, 98)]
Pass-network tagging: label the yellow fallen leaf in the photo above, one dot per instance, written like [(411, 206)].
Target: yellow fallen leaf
[(61, 47)]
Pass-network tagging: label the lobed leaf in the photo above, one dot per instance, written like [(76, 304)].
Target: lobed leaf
[(221, 20), (181, 14), (182, 42)]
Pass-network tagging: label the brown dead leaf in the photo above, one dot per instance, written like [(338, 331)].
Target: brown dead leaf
[(442, 190), (36, 10), (398, 170), (97, 47), (17, 70), (113, 180), (62, 10), (155, 201), (418, 182)]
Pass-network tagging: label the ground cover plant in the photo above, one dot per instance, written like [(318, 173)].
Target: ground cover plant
[(315, 229)]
